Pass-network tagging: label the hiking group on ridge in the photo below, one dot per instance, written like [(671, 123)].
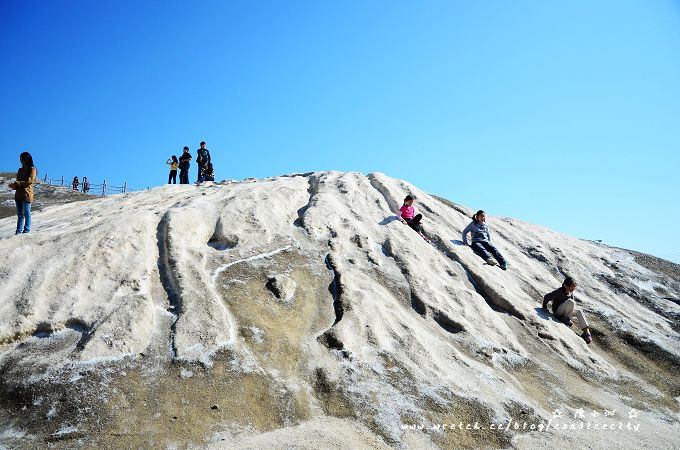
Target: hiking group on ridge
[(203, 160)]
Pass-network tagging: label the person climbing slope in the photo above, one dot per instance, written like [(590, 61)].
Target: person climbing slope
[(564, 307), (173, 163), (409, 217), (23, 197), (481, 240), (184, 163)]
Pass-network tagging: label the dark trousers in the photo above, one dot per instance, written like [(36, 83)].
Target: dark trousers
[(172, 178), (200, 173), (415, 222), (184, 176), (486, 250)]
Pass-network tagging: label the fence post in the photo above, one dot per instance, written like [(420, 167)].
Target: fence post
[(45, 180), (104, 188), (62, 180), (125, 187)]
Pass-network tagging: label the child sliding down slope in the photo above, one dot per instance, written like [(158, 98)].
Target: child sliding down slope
[(564, 307), (481, 241), (409, 217)]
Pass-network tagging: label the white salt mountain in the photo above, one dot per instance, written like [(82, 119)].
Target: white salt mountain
[(297, 311)]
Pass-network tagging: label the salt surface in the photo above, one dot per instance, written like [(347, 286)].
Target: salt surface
[(432, 315)]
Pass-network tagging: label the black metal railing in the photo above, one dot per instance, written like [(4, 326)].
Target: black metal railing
[(101, 189)]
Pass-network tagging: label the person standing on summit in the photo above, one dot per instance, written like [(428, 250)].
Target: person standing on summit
[(173, 163), (184, 162), (202, 159)]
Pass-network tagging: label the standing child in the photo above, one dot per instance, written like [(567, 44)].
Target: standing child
[(173, 163), (408, 216), (75, 183), (86, 185), (23, 197)]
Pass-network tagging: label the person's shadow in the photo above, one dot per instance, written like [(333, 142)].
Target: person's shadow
[(388, 220), (545, 315), (457, 242)]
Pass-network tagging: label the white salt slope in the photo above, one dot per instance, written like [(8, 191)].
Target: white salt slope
[(420, 329)]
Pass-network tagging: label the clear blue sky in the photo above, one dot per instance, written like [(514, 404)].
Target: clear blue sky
[(566, 115)]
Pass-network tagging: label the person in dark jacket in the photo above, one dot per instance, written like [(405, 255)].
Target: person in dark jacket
[(208, 173), (481, 240), (184, 162), (564, 307), (23, 197), (202, 159)]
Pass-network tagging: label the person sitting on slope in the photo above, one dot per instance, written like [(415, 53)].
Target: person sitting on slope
[(481, 240), (208, 172), (409, 217), (564, 307)]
